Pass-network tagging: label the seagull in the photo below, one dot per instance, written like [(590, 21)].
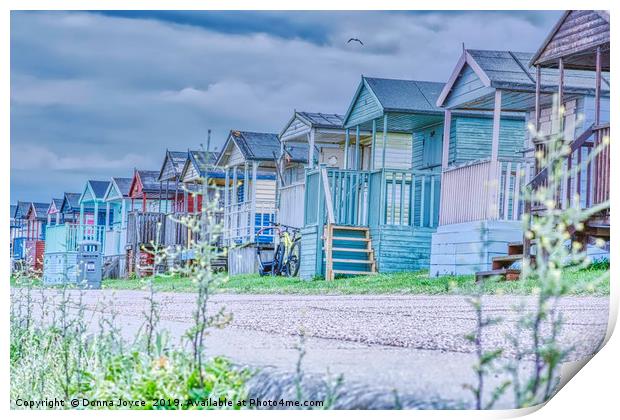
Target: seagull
[(355, 39)]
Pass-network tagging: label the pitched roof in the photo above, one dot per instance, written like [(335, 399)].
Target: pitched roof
[(73, 199), (40, 210), (176, 159), (56, 202), (319, 119), (509, 70), (99, 187), (297, 152), (149, 180), (564, 44), (405, 95), (203, 160), (122, 184), (256, 146), (13, 210), (22, 209)]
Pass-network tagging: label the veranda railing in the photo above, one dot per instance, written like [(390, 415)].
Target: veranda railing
[(586, 180), (67, 237), (484, 190), (243, 222), (372, 198)]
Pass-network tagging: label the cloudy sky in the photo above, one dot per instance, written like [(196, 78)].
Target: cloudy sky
[(95, 94)]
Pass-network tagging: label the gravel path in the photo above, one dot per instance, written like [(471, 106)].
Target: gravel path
[(411, 343)]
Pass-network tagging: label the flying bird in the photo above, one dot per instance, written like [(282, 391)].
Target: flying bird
[(356, 40)]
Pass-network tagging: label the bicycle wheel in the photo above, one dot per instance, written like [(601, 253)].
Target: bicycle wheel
[(294, 260)]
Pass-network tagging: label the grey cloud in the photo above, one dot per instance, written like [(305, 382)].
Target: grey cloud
[(98, 95)]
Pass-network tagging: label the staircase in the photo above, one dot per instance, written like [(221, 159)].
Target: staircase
[(501, 265), (348, 250)]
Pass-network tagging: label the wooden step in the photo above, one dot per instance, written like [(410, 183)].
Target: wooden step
[(515, 248), (365, 250), (505, 261), (346, 260), (353, 272), (342, 227), (344, 238), (510, 274)]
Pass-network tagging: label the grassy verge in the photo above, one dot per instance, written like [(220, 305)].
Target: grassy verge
[(592, 281)]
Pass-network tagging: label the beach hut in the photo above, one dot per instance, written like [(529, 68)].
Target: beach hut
[(321, 133), (20, 229), (146, 223), (34, 242), (117, 205), (481, 203), (387, 194), (84, 220), (70, 208), (168, 178), (249, 163), (13, 228), (198, 168), (53, 212)]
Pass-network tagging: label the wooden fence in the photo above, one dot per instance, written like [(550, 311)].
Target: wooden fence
[(483, 190), (291, 208), (144, 228)]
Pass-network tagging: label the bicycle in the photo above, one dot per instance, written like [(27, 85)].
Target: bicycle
[(287, 254)]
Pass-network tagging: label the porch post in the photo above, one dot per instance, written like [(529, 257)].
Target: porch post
[(160, 189), (253, 205), (311, 148), (385, 126), (58, 218), (497, 110), (493, 180), (49, 218), (537, 147), (280, 164), (560, 92), (245, 182), (96, 216), (235, 199), (168, 207), (107, 215), (537, 100), (82, 221), (374, 143), (597, 92), (357, 147), (123, 213), (445, 155), (226, 200), (176, 195), (346, 148)]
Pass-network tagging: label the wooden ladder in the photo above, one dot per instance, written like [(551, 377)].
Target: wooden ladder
[(348, 250)]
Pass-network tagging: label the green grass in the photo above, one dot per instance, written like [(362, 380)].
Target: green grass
[(592, 281)]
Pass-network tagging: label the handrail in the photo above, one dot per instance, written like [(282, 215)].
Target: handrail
[(328, 197), (579, 142)]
